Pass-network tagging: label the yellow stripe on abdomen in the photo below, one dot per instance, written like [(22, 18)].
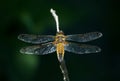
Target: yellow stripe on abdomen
[(60, 51)]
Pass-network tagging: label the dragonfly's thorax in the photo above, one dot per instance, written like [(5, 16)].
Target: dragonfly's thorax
[(60, 39)]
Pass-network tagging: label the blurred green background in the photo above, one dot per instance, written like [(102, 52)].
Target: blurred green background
[(78, 16)]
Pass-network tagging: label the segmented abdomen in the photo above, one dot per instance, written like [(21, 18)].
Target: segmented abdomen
[(60, 51)]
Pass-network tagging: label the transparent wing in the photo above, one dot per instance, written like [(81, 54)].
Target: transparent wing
[(35, 39), (39, 49), (84, 37), (81, 48)]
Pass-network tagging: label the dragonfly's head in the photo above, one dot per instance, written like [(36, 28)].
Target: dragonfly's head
[(60, 32)]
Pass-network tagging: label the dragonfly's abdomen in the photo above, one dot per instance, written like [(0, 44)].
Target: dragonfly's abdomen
[(60, 51)]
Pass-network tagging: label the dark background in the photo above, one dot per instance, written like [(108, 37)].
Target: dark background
[(78, 16)]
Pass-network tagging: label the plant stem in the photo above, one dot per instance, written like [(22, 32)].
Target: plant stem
[(56, 18), (64, 71)]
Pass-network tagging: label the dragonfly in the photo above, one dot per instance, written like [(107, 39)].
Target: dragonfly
[(47, 44)]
